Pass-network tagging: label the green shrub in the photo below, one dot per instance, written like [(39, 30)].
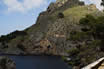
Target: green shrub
[(96, 42), (73, 51), (21, 47), (7, 38), (89, 20), (93, 47), (96, 25), (63, 58), (78, 36), (102, 46), (71, 63), (100, 27), (60, 15)]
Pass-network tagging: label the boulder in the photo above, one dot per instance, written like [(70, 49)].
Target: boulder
[(7, 63)]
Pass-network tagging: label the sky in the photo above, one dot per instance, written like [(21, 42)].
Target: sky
[(20, 14), (96, 2)]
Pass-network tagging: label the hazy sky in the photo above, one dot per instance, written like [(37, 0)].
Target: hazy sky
[(20, 14), (97, 2)]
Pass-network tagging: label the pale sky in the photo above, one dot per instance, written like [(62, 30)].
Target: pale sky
[(97, 2)]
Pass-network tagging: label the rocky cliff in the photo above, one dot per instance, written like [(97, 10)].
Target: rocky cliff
[(51, 32)]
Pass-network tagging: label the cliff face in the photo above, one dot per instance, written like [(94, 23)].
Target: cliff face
[(50, 34), (63, 5)]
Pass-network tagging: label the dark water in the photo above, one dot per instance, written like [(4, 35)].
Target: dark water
[(39, 62)]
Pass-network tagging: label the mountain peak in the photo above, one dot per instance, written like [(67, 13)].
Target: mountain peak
[(62, 2)]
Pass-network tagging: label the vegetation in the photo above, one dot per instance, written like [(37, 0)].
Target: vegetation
[(93, 48), (96, 25), (21, 47), (3, 63), (4, 45), (7, 38), (78, 12), (73, 51), (60, 15), (79, 36)]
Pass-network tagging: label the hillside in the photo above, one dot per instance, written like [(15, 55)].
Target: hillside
[(58, 31)]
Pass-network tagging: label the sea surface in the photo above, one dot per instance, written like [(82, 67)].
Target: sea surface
[(39, 62)]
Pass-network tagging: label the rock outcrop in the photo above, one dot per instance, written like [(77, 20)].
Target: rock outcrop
[(7, 63), (63, 4)]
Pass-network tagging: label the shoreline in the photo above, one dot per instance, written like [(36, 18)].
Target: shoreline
[(27, 55)]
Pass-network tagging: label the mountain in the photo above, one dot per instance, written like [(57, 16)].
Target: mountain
[(47, 36), (60, 31)]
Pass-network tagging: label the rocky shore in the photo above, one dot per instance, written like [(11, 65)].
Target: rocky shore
[(7, 63)]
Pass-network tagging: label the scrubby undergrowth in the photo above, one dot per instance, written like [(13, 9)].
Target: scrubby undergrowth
[(91, 39)]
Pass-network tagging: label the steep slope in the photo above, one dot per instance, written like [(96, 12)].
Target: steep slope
[(50, 35)]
